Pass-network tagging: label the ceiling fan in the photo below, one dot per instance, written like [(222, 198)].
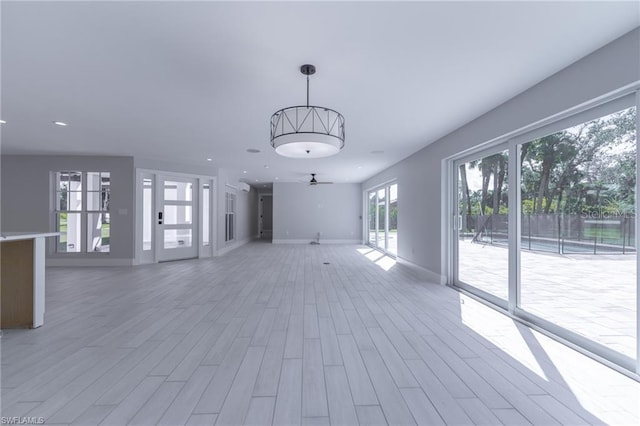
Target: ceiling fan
[(313, 180)]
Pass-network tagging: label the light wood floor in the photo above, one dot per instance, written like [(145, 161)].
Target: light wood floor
[(270, 334)]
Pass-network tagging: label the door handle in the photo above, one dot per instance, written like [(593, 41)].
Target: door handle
[(159, 218)]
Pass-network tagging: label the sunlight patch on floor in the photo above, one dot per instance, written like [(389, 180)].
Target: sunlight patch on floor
[(500, 330), (386, 262), (383, 261), (553, 361), (365, 250)]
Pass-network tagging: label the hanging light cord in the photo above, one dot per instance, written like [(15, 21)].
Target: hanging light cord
[(307, 91)]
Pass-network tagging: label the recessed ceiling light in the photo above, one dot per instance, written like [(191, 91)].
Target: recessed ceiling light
[(253, 150), (266, 166), (209, 159), (378, 151), (3, 122), (257, 180), (59, 123), (277, 178), (359, 167), (244, 171)]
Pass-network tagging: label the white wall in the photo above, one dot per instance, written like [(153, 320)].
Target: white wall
[(300, 211), (420, 177), (27, 194), (204, 169)]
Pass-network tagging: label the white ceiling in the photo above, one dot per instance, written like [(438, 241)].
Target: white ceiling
[(184, 81)]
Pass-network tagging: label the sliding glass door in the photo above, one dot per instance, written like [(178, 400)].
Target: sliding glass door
[(382, 224), (578, 248), (559, 248), (482, 232)]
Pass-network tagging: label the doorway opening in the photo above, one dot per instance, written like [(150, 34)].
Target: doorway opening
[(265, 217)]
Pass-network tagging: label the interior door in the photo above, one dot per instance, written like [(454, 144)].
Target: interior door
[(176, 227), (266, 217)]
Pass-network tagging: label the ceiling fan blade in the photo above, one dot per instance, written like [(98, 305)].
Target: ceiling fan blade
[(313, 181)]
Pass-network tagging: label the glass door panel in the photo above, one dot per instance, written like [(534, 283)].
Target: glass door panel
[(578, 248), (177, 215), (147, 214), (175, 225), (373, 215), (482, 234), (178, 191), (382, 219), (177, 238), (206, 216), (392, 240)]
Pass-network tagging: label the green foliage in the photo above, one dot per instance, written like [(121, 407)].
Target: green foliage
[(582, 169)]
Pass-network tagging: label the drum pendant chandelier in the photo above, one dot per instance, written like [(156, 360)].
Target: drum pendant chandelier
[(307, 131)]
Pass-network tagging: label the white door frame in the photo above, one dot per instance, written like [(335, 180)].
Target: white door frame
[(141, 256), (190, 251)]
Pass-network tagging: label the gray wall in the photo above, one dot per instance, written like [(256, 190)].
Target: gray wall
[(247, 226), (26, 196), (420, 177), (246, 210), (300, 211)]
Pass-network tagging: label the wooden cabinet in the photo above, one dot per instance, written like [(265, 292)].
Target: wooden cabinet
[(22, 279)]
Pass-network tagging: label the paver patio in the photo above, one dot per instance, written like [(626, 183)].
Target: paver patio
[(592, 295)]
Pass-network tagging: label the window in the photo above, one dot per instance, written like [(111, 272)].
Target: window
[(230, 212), (82, 211)]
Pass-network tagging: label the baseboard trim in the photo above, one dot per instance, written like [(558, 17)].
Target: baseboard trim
[(308, 241), (224, 250), (421, 272), (87, 262)]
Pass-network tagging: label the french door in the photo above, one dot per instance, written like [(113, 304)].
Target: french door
[(382, 224), (175, 216), (176, 230)]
